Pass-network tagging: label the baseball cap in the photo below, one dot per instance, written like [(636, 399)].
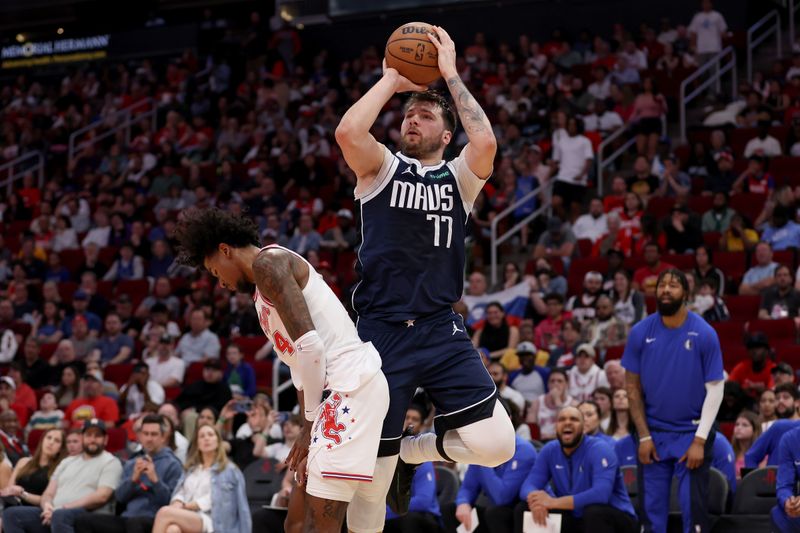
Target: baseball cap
[(757, 339), (782, 368), (94, 423), (526, 348), (344, 213), (96, 375), (79, 319), (8, 381), (586, 348), (80, 294)]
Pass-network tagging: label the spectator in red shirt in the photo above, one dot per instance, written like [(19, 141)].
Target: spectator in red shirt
[(548, 331), (616, 200), (8, 401), (755, 375), (25, 395), (644, 279), (755, 179), (92, 404)]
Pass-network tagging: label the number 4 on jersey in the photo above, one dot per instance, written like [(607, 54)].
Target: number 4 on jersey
[(282, 344)]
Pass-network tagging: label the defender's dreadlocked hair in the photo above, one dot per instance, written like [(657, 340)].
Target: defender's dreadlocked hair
[(201, 231)]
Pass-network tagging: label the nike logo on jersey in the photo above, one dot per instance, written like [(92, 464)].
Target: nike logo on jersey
[(455, 329), (559, 467), (797, 463), (648, 340), (422, 197)]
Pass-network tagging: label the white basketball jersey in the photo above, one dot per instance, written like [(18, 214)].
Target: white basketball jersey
[(350, 362)]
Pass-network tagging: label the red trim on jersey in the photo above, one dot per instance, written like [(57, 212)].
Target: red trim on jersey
[(352, 477)]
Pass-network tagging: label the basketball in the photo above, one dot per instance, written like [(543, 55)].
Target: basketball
[(413, 55)]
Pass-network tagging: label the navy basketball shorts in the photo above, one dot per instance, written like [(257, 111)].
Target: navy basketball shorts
[(436, 354)]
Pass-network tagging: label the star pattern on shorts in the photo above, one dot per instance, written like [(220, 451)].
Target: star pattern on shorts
[(330, 446), (345, 410), (315, 440)]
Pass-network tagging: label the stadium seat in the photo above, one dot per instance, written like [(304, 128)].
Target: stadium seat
[(733, 353), (700, 204), (711, 239), (726, 428), (733, 264), (585, 247), (170, 393), (743, 307), (66, 289), (614, 352), (629, 477), (447, 484), (262, 481), (682, 261), (250, 345), (730, 331), (117, 440), (72, 260), (33, 439), (47, 350), (748, 204), (137, 289), (754, 498), (118, 374), (194, 372), (775, 330), (717, 494), (535, 432), (263, 370), (660, 206)]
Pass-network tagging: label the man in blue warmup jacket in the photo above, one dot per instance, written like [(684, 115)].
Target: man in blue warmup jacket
[(500, 484), (585, 479), (767, 444), (423, 514), (674, 379), (786, 515)]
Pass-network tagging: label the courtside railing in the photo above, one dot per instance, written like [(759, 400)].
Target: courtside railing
[(715, 69), (544, 207), (793, 7), (17, 168), (123, 119), (277, 386), (603, 162), (771, 24)]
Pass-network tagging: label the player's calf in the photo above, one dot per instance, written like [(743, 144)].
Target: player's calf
[(323, 516)]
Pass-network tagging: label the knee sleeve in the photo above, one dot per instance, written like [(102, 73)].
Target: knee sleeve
[(490, 442), (367, 509)]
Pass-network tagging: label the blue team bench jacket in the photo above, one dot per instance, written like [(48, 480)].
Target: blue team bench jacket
[(590, 475), (501, 483), (423, 493), (767, 443), (788, 460)]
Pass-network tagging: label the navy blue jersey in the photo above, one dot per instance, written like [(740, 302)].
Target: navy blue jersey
[(413, 225)]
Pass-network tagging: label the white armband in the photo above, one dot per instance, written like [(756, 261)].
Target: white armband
[(311, 369), (714, 393)]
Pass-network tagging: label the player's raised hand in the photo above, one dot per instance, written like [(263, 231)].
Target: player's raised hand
[(647, 452), (446, 49), (401, 83)]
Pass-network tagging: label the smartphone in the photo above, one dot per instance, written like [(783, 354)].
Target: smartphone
[(243, 406)]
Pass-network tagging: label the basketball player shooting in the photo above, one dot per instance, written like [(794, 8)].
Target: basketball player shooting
[(314, 336), (414, 207)]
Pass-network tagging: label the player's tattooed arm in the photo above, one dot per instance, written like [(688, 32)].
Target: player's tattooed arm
[(470, 113), (633, 387), (278, 275)]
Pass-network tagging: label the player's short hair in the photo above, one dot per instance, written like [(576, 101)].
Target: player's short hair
[(432, 97), (677, 274), (788, 388), (201, 231)]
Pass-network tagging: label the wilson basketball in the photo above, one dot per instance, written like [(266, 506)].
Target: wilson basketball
[(413, 55)]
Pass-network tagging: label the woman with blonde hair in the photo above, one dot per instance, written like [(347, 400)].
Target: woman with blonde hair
[(210, 497)]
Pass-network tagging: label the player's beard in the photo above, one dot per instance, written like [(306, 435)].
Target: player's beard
[(421, 149), (245, 286), (669, 308)]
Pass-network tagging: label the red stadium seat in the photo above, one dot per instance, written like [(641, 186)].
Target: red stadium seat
[(585, 247), (711, 239), (784, 257), (535, 433), (748, 204), (700, 204), (193, 373), (66, 289), (47, 350), (105, 289), (33, 439), (788, 353), (171, 392), (733, 264), (108, 255), (681, 261), (732, 354), (660, 206), (743, 307), (72, 260), (730, 331), (781, 329), (118, 374), (726, 428), (614, 352), (117, 440), (263, 370), (250, 345), (137, 289)]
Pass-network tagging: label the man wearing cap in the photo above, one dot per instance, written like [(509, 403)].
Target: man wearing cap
[(591, 225), (165, 368), (80, 305), (199, 344), (343, 236), (605, 329), (755, 179), (148, 480), (682, 230), (500, 378), (92, 404), (212, 391), (114, 346), (782, 373), (585, 376), (558, 240), (582, 306), (80, 484), (529, 380), (789, 418), (131, 325), (674, 181), (83, 340), (140, 389), (755, 375)]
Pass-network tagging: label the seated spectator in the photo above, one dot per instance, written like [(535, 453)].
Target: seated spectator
[(24, 395), (80, 484), (704, 267), (32, 474), (8, 401), (763, 144), (674, 182), (781, 300), (162, 293), (239, 374), (738, 237), (242, 320), (160, 260), (100, 232), (279, 451), (644, 278), (601, 119), (195, 505), (593, 224), (126, 267), (147, 482), (766, 446), (343, 236), (529, 380), (557, 241), (109, 388), (591, 422), (616, 239), (683, 231), (783, 373), (761, 275), (423, 514), (140, 389), (621, 423), (602, 397), (91, 261), (782, 233), (80, 305), (500, 485), (131, 325), (709, 304), (767, 400), (178, 443), (643, 182), (32, 366), (563, 355), (547, 333), (615, 200), (97, 303), (582, 306), (605, 330), (305, 237), (543, 410), (786, 514), (755, 179), (251, 436), (165, 368), (511, 277), (10, 437), (199, 344), (64, 235), (629, 305), (210, 390), (496, 334), (68, 387), (159, 316), (596, 500), (624, 73), (500, 378), (745, 433), (113, 347), (92, 405), (755, 375), (585, 376), (48, 416), (718, 218), (754, 111), (615, 373)]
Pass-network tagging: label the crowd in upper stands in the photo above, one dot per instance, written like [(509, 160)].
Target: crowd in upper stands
[(109, 343)]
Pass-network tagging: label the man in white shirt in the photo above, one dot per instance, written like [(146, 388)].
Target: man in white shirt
[(573, 156), (199, 344), (592, 225), (166, 369), (635, 57), (763, 144), (140, 388), (707, 28), (527, 380), (101, 231), (602, 120), (794, 70), (500, 378), (600, 88), (585, 376)]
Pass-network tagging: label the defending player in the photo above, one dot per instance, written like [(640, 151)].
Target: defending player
[(414, 208), (675, 386), (315, 337)]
